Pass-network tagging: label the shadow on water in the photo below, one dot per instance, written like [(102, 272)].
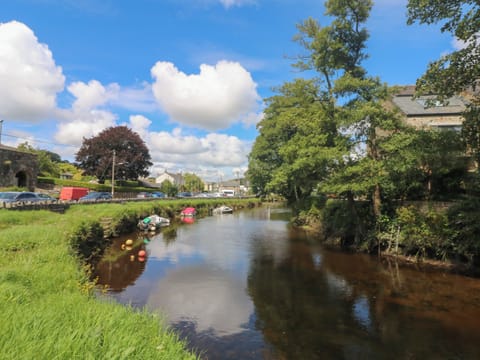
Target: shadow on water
[(248, 286)]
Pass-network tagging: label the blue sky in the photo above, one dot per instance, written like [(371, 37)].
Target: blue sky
[(188, 75)]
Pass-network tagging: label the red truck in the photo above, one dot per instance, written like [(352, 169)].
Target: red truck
[(72, 193)]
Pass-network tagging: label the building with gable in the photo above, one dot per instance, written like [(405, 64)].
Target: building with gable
[(426, 112), (175, 179)]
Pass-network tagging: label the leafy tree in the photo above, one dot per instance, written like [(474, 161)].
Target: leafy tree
[(425, 163), (48, 162), (299, 137), (459, 70), (287, 157), (132, 158), (66, 167), (193, 183), (168, 188), (353, 102)]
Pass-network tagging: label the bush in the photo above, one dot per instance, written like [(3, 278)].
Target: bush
[(423, 233), (463, 220)]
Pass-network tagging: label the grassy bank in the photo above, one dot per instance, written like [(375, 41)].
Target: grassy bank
[(47, 303)]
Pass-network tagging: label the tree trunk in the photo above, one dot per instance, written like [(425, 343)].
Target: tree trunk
[(377, 202)]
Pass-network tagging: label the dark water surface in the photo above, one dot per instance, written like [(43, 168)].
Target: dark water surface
[(247, 286)]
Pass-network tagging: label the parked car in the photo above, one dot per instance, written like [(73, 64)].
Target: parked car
[(158, 194), (95, 196), (45, 197), (144, 195), (184, 194), (24, 196)]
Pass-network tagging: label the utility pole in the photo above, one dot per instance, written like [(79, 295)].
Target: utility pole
[(113, 173)]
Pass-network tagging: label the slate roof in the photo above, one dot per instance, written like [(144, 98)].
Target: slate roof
[(417, 107)]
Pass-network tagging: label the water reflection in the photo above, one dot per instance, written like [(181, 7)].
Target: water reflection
[(247, 286), (211, 299)]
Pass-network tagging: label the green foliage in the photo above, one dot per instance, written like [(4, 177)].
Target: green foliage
[(123, 186), (464, 223), (193, 183), (87, 241), (424, 164), (424, 233), (48, 162), (168, 188), (341, 222), (459, 70)]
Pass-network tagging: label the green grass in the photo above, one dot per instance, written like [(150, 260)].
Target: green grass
[(47, 302)]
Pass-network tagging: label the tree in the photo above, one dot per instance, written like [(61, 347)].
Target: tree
[(193, 183), (458, 71), (132, 158), (48, 162), (168, 188), (288, 156), (299, 137)]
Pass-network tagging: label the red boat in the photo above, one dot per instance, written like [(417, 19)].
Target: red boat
[(188, 212)]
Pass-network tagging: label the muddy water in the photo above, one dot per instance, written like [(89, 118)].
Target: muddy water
[(247, 286)]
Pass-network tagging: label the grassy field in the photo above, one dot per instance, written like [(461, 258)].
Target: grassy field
[(47, 302)]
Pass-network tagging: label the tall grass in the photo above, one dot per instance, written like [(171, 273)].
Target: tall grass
[(47, 305)]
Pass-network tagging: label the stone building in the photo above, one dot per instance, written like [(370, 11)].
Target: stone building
[(426, 112), (18, 168)]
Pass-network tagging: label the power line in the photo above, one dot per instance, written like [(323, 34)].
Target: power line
[(38, 141)]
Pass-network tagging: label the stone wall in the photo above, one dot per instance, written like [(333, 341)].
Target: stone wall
[(18, 168)]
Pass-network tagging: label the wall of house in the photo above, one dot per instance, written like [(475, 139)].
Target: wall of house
[(18, 169), (427, 121)]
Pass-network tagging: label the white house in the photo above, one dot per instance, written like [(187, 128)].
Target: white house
[(175, 179)]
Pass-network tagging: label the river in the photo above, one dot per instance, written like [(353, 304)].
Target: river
[(249, 286)]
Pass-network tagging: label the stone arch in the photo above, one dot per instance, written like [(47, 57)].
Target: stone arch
[(22, 179)]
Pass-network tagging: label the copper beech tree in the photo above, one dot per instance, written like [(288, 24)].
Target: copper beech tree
[(119, 144)]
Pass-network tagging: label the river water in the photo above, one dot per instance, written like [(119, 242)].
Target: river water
[(248, 286)]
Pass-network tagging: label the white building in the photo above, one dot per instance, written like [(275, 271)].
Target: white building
[(175, 179)]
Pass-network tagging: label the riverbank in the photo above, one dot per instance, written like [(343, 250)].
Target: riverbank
[(48, 305), (417, 262)]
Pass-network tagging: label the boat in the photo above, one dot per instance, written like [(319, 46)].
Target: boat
[(153, 222), (187, 219), (188, 212), (222, 210)]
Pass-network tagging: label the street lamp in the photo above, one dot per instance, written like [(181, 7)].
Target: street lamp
[(1, 125), (113, 172)]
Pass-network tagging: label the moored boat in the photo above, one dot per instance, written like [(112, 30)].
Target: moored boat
[(153, 222), (188, 212), (222, 210)]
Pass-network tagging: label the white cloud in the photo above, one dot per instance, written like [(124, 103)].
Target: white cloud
[(460, 44), (213, 150), (86, 118), (84, 124), (30, 77), (92, 95), (214, 99), (140, 124), (229, 3)]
